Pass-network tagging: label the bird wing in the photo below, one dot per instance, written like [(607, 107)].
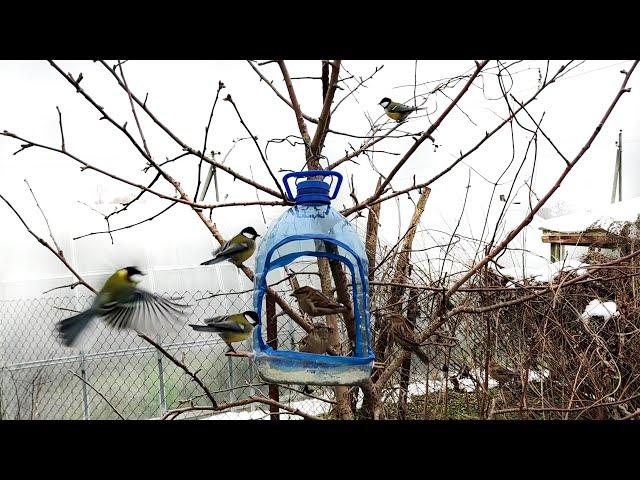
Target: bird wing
[(144, 312), (224, 324), (225, 251), (400, 108), (70, 328), (504, 371), (408, 340), (229, 249), (320, 300)]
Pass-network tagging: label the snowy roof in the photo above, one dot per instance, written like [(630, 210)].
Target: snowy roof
[(608, 217)]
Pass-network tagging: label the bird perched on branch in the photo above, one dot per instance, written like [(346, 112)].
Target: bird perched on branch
[(397, 111), (500, 373), (121, 304), (403, 335), (236, 250), (317, 340), (231, 328), (315, 303)]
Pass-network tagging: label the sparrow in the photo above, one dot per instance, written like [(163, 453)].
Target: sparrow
[(500, 373), (315, 304), (403, 335), (317, 340)]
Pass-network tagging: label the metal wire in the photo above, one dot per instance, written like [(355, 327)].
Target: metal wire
[(36, 380)]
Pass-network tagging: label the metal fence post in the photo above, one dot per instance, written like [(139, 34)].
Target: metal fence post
[(83, 364), (232, 394), (85, 397), (163, 400), (1, 393), (272, 341)]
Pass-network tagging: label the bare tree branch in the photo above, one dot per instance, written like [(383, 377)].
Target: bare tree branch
[(98, 392), (255, 141), (543, 200)]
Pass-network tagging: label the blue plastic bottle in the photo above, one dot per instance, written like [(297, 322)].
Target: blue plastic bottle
[(302, 231)]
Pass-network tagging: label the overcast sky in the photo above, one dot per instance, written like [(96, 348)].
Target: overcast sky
[(181, 94)]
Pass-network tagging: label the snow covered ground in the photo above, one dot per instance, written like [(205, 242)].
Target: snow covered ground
[(315, 407), (310, 406)]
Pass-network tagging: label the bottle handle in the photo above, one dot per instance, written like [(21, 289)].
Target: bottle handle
[(312, 173)]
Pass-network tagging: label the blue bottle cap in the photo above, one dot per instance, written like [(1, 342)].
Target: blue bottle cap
[(313, 191)]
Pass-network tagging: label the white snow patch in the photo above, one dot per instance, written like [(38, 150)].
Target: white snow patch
[(542, 273), (310, 406), (316, 407), (466, 384), (597, 308)]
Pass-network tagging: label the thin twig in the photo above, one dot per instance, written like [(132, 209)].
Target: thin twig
[(61, 131), (49, 247), (204, 146), (45, 217), (110, 231), (98, 392), (193, 375), (255, 141)]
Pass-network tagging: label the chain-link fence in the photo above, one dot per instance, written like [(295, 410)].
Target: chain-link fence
[(41, 379)]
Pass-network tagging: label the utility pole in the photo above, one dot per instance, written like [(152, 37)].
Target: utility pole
[(617, 174)]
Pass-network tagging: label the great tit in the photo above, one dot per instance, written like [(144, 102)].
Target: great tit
[(236, 250), (500, 373), (396, 111), (120, 304), (315, 303), (317, 340), (404, 336), (231, 328)]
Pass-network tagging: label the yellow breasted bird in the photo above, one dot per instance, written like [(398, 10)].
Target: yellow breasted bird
[(315, 303), (397, 111), (231, 328), (236, 250), (121, 304)]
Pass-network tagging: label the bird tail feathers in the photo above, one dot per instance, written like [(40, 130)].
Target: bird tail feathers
[(70, 328), (203, 328), (422, 356), (213, 261)]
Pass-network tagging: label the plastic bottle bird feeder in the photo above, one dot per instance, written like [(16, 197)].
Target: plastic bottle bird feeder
[(313, 228)]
